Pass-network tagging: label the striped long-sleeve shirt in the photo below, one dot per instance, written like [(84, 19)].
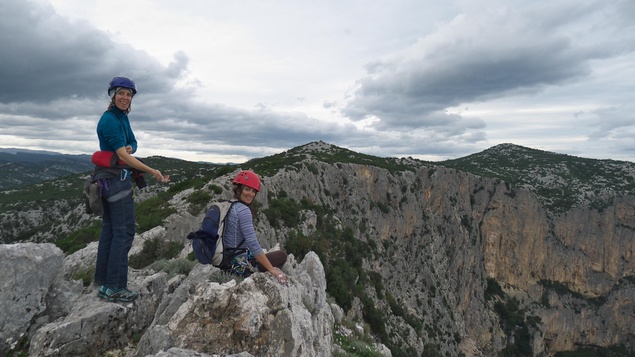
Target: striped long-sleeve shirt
[(239, 229)]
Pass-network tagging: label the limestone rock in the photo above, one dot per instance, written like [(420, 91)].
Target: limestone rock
[(27, 271), (257, 315), (95, 326), (182, 316)]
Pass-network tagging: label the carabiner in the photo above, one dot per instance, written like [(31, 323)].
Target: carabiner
[(124, 174)]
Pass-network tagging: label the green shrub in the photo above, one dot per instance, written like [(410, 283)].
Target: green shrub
[(561, 289), (339, 278), (381, 206), (283, 210), (173, 266), (85, 275), (355, 347), (195, 183), (199, 197), (216, 189), (312, 168), (612, 351), (22, 349), (432, 350), (224, 170), (398, 310), (80, 238), (153, 250), (512, 320), (152, 212), (198, 201), (493, 289), (298, 244), (376, 280), (375, 318), (222, 277)]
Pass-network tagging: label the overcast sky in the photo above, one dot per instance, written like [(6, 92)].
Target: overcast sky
[(226, 81)]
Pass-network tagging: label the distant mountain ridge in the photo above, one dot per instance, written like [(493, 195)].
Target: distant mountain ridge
[(561, 181), (21, 167), (16, 151)]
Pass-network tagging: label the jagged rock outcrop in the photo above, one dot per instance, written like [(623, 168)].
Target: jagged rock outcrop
[(27, 272), (257, 315), (182, 316)]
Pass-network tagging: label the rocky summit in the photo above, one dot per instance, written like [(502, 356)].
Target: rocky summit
[(389, 257), (172, 317)]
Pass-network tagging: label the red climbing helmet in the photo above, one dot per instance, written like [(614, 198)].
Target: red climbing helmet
[(248, 178)]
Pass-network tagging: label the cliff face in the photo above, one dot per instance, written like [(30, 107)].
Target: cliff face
[(442, 235), (575, 271), (587, 250)]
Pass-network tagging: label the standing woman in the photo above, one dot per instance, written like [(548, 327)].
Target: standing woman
[(118, 220), (240, 236)]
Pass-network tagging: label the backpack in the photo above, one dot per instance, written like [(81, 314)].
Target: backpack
[(207, 242), (92, 197)]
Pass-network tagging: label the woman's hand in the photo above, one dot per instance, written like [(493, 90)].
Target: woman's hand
[(135, 163), (282, 279), (159, 177)]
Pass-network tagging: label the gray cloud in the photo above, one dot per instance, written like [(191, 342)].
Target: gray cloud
[(47, 57), (55, 70), (480, 56), (214, 123), (612, 122)]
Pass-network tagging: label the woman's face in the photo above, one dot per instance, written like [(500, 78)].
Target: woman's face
[(247, 195), (123, 99)]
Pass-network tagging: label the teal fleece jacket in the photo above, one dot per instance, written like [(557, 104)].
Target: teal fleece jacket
[(114, 131)]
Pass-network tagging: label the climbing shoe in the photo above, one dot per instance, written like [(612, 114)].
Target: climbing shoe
[(114, 295)]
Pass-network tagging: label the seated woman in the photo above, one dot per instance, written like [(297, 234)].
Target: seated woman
[(240, 236)]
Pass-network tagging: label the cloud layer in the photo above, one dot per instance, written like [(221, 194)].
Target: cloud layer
[(224, 83)]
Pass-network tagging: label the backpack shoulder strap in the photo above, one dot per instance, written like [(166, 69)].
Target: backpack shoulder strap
[(224, 206), (215, 216), (228, 252)]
